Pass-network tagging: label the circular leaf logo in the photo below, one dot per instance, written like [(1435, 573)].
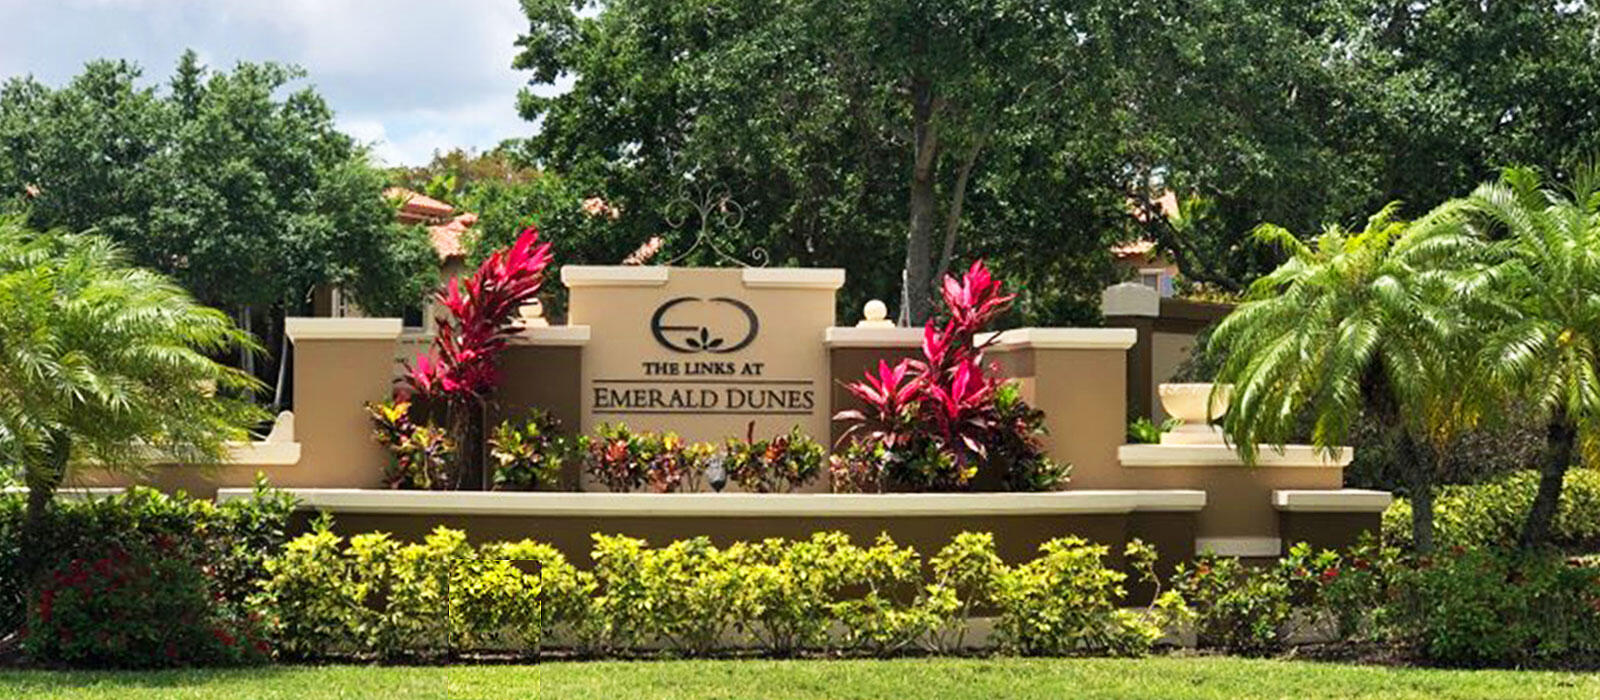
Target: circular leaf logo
[(695, 338)]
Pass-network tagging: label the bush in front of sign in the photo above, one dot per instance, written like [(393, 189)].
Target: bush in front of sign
[(627, 461), (779, 465), (459, 371), (932, 424), (531, 453), (419, 454)]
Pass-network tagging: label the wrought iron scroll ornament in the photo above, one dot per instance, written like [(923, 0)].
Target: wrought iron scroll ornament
[(719, 214)]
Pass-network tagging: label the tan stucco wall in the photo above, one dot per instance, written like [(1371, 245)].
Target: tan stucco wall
[(1081, 392), (1238, 498), (1327, 530), (333, 379), (541, 376)]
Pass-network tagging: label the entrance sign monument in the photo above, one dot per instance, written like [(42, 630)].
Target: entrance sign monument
[(704, 352), (715, 353)]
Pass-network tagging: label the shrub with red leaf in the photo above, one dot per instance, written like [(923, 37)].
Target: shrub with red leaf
[(933, 422), (461, 366), (135, 605), (459, 373)]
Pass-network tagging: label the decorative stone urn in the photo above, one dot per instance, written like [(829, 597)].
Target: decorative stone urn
[(531, 315), (1187, 402)]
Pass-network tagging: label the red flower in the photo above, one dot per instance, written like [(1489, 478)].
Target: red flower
[(47, 600), (946, 397), (887, 392)]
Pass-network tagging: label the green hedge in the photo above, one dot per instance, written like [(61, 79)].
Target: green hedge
[(1492, 512), (141, 578), (375, 597), (1482, 606)]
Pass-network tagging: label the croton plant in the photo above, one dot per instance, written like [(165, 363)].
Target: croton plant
[(935, 422)]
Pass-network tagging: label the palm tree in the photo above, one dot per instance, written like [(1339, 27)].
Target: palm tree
[(1352, 324), (1539, 250), (108, 364)]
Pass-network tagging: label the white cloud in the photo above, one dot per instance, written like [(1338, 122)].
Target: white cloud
[(410, 76)]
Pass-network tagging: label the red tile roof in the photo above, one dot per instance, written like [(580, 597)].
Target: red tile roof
[(448, 238), (1167, 203), (417, 208), (447, 230), (1141, 246)]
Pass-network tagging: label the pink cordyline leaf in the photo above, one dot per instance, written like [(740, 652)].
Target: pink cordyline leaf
[(975, 299), (482, 309), (887, 391)]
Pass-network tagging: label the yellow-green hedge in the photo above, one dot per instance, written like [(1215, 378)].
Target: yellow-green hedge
[(375, 597), (1492, 512)]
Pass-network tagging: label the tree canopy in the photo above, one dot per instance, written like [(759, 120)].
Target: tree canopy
[(241, 190), (1021, 132)]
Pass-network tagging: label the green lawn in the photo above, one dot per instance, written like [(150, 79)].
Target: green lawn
[(1078, 679)]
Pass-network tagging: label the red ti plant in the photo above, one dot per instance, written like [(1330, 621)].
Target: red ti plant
[(932, 422), (459, 373)]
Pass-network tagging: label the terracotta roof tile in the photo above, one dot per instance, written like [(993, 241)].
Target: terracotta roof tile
[(416, 207), (449, 239), (446, 233), (1138, 247)]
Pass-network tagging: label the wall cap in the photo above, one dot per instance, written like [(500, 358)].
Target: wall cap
[(1298, 456), (829, 278), (302, 328), (552, 335), (1239, 546), (1063, 338), (263, 454), (1332, 501), (614, 275), (703, 505), (868, 337), (1130, 299), (74, 493), (239, 454)]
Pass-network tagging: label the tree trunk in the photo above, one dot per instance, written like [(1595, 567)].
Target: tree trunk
[(42, 479), (952, 223), (1561, 442), (467, 419), (916, 293), (1419, 466)]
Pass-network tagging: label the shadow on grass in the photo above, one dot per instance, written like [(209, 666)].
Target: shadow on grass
[(46, 679)]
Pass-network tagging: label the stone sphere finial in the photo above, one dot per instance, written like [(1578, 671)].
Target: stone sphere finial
[(875, 310), (875, 314)]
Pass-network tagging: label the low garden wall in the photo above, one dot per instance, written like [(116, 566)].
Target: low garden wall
[(1020, 522)]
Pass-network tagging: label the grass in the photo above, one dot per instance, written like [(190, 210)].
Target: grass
[(1080, 679)]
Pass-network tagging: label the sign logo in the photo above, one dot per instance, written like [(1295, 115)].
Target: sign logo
[(699, 338)]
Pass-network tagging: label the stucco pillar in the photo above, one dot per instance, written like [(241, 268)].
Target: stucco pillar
[(1077, 376), (339, 365)]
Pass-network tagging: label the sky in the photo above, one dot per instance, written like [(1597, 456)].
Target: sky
[(407, 76)]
